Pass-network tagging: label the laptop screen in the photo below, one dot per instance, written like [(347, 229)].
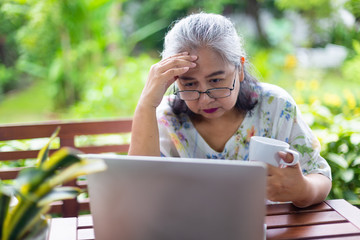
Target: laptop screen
[(172, 198)]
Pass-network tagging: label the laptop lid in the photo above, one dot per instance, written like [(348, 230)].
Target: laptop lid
[(157, 198)]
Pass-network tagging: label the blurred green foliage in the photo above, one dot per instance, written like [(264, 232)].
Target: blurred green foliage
[(90, 59), (350, 69)]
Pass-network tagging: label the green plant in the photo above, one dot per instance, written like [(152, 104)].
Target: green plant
[(339, 135), (350, 69), (343, 155), (36, 187)]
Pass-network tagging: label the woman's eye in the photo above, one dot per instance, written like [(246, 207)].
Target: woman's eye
[(190, 84), (216, 80)]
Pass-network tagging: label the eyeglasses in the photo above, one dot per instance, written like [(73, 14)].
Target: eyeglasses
[(192, 95)]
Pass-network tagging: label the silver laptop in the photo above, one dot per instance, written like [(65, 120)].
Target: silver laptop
[(156, 198)]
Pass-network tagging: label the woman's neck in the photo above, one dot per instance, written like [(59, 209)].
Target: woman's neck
[(217, 132)]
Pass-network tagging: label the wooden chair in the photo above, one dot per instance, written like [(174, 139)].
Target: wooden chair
[(67, 135)]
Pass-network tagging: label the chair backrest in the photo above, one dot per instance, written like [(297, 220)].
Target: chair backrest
[(68, 135)]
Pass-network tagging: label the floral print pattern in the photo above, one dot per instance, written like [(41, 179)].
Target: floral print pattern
[(276, 115)]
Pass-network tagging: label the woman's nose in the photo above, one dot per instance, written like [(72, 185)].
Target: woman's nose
[(205, 98)]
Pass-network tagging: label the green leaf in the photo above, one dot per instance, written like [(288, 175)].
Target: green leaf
[(38, 229), (338, 160), (348, 175), (83, 167), (356, 161), (59, 193), (28, 179), (350, 195), (44, 152), (356, 45), (5, 198), (60, 159), (26, 223), (78, 169), (145, 32)]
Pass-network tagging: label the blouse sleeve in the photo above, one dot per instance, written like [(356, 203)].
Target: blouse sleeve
[(303, 140), (289, 126), (167, 147), (166, 133)]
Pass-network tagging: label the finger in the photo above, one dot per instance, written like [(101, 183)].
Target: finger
[(173, 73), (176, 68), (184, 55), (287, 157), (184, 61), (178, 54)]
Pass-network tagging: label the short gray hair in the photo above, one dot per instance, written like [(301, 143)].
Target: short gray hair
[(205, 30)]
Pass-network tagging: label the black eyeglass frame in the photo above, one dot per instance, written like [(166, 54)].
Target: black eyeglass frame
[(208, 91)]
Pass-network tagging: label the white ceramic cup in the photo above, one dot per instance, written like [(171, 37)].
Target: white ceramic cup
[(267, 150)]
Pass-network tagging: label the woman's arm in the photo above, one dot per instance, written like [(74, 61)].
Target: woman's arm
[(289, 184), (316, 189), (145, 131)]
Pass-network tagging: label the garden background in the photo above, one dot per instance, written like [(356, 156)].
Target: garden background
[(88, 59)]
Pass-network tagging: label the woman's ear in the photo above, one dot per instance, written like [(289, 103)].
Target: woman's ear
[(242, 60), (241, 74)]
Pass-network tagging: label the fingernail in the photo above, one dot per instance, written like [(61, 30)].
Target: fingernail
[(194, 57), (193, 64)]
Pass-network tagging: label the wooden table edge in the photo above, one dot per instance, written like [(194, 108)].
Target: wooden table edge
[(345, 209)]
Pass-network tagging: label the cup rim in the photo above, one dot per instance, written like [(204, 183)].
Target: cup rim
[(270, 141)]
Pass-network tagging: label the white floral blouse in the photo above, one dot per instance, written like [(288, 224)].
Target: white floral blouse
[(276, 116)]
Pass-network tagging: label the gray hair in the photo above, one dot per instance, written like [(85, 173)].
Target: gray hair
[(205, 30)]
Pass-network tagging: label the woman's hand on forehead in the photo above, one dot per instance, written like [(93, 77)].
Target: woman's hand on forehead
[(163, 74)]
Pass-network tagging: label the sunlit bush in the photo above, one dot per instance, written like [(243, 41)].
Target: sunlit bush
[(114, 91)]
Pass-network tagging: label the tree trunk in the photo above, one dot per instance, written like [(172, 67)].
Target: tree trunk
[(253, 8)]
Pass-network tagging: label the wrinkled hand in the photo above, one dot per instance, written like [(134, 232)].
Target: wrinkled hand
[(162, 75), (285, 184)]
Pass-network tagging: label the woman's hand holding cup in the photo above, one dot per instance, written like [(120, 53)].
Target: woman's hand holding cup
[(267, 150)]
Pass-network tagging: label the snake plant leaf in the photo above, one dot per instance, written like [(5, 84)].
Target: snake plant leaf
[(59, 193), (60, 159), (38, 230), (28, 179), (25, 224), (84, 167), (25, 207), (72, 172), (35, 204), (5, 197), (44, 152)]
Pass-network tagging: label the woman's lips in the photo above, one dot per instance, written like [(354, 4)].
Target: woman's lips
[(210, 110)]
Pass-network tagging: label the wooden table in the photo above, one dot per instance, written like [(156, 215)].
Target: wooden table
[(334, 219)]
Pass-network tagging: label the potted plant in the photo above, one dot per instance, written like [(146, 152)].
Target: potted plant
[(24, 202)]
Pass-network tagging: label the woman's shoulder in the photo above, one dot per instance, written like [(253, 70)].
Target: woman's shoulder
[(270, 93), (164, 109)]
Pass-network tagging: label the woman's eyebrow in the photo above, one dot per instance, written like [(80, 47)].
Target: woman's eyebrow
[(186, 78), (208, 76), (215, 74)]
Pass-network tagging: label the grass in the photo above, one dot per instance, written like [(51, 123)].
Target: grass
[(29, 105)]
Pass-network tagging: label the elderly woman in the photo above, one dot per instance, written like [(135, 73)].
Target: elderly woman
[(218, 106)]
